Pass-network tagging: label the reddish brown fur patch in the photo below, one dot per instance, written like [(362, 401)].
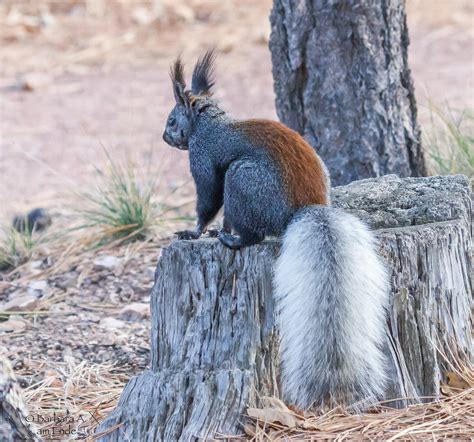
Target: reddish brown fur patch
[(302, 169)]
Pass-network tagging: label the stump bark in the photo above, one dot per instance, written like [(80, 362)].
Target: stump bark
[(15, 424), (214, 345)]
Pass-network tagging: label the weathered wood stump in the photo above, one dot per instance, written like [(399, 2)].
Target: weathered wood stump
[(214, 346), (15, 424)]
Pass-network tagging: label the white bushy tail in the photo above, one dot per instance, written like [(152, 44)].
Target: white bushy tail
[(331, 290)]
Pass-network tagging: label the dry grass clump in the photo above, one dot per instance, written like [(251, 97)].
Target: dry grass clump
[(127, 205), (449, 141), (121, 205), (450, 417), (16, 247)]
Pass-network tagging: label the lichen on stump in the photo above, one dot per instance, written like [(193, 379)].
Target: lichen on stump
[(214, 341)]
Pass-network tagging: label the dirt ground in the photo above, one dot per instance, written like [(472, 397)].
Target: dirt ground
[(78, 75), (100, 77)]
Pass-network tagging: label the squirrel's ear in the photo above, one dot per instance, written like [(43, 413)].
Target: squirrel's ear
[(177, 78), (203, 74)]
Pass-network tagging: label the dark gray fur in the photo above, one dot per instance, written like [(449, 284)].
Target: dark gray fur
[(228, 169)]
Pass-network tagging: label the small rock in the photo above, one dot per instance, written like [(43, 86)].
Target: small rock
[(33, 81), (114, 298), (111, 323), (30, 23), (20, 303), (66, 281), (38, 288), (13, 325), (35, 220), (135, 312), (47, 19), (108, 341), (107, 262), (142, 16), (34, 267)]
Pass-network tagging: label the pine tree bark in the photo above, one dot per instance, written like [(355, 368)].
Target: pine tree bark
[(214, 344), (342, 80)]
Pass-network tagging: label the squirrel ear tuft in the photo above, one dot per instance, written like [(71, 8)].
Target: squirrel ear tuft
[(203, 74), (177, 78)]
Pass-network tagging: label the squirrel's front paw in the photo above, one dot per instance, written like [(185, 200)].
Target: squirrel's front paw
[(187, 234)]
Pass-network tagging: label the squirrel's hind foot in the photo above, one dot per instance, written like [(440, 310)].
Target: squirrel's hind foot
[(229, 240), (237, 242)]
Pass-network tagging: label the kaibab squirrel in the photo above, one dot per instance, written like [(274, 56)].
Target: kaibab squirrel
[(330, 285)]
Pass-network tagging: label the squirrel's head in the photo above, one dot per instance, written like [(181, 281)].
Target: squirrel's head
[(189, 103)]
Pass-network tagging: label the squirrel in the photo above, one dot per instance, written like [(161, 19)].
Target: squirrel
[(330, 286)]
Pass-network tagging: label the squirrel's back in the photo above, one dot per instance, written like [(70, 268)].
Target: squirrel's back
[(304, 175)]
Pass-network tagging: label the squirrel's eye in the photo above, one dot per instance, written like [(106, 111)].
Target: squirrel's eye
[(172, 121)]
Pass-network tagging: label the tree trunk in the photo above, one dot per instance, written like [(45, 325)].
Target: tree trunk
[(342, 81), (214, 345)]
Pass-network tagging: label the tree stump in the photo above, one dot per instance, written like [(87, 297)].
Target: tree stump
[(214, 346)]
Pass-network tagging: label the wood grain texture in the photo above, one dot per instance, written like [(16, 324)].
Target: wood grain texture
[(15, 420), (214, 340)]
